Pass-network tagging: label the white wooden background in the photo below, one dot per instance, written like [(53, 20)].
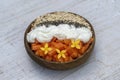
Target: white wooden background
[(16, 15)]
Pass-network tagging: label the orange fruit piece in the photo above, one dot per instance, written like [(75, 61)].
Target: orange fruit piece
[(35, 47)]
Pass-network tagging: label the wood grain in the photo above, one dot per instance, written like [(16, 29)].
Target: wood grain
[(16, 15)]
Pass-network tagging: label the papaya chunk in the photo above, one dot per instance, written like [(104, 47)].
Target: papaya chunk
[(67, 41), (35, 47)]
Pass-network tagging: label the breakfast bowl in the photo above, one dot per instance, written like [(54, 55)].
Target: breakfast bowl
[(74, 27)]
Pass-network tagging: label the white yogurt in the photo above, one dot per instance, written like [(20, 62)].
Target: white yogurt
[(62, 31)]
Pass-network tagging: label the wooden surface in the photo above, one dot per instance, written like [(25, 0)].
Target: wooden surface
[(16, 15)]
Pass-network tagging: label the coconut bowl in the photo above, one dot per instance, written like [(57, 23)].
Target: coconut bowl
[(56, 18)]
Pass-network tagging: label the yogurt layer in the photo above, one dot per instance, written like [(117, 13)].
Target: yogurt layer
[(62, 31)]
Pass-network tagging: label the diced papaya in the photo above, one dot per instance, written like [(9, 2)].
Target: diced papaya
[(67, 41), (81, 46), (40, 53), (43, 44), (67, 59), (68, 49), (54, 39), (91, 40), (66, 54), (48, 58), (73, 52), (37, 53), (71, 58), (83, 50), (52, 52), (74, 55), (60, 60), (33, 44), (35, 47), (86, 46), (55, 57), (58, 45), (60, 41)]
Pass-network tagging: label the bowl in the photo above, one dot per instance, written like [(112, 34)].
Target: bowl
[(57, 18)]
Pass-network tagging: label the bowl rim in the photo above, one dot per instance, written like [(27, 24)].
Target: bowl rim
[(27, 47)]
